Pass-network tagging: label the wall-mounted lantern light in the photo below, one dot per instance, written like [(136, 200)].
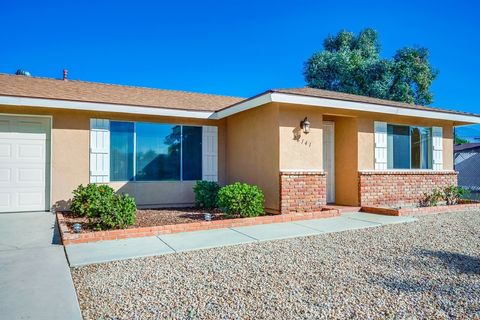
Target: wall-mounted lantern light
[(305, 125)]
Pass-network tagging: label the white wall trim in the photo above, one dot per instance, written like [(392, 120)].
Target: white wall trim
[(302, 170), (341, 104), (103, 107), (242, 106), (370, 107), (419, 171)]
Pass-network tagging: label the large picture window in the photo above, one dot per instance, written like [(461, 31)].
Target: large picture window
[(409, 147), (155, 152)]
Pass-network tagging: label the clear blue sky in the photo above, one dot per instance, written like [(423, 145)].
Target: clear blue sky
[(238, 48)]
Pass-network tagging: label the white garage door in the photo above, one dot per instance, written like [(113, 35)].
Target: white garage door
[(24, 163)]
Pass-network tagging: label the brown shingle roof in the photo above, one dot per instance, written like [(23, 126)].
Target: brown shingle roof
[(74, 90), (311, 92)]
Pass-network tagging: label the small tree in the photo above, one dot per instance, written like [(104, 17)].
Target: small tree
[(352, 64)]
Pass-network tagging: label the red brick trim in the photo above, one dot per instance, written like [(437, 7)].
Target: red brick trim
[(421, 210), (302, 191), (68, 237), (400, 187)]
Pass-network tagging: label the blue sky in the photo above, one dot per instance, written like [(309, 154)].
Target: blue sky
[(238, 48)]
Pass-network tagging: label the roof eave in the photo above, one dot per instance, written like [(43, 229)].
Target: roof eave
[(103, 107), (271, 96)]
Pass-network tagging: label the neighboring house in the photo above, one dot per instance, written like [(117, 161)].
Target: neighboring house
[(153, 144), (467, 163)]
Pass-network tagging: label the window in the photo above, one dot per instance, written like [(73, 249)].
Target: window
[(155, 152), (192, 153), (409, 147), (121, 151)]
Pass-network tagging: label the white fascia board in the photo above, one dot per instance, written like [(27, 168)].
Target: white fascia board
[(102, 107), (242, 106), (369, 107)]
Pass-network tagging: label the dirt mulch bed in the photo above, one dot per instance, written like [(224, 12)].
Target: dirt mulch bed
[(154, 217)]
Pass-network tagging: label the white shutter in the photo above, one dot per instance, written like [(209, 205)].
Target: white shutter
[(437, 144), (210, 153), (380, 145), (99, 150)]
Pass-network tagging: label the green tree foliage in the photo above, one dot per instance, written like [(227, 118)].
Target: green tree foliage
[(459, 140), (352, 64)]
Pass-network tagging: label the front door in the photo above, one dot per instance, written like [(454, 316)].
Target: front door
[(329, 158)]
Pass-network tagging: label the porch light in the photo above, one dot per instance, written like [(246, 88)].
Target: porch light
[(305, 125), (77, 227)]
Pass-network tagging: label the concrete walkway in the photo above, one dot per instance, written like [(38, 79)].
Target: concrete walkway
[(35, 280), (104, 251)]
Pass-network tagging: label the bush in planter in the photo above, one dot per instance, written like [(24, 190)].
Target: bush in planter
[(241, 199), (432, 199), (121, 213), (452, 194), (103, 208), (89, 200), (206, 194)]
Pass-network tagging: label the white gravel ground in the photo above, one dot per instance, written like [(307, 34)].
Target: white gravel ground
[(425, 269)]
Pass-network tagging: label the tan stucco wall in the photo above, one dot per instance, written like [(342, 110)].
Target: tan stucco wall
[(300, 151), (253, 151), (70, 156), (254, 146)]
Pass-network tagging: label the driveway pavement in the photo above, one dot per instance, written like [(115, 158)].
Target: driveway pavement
[(104, 251), (35, 280)]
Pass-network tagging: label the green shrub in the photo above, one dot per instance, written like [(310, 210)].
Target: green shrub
[(241, 199), (92, 199), (432, 199), (122, 213), (103, 208), (452, 194), (206, 194)]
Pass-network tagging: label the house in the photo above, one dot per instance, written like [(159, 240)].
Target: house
[(303, 147), (467, 164)]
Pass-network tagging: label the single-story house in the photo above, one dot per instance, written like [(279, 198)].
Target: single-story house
[(303, 147), (467, 164)]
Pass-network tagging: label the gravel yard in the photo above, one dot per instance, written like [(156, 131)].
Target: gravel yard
[(425, 269)]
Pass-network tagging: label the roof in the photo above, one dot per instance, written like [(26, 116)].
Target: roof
[(74, 90), (312, 92), (466, 146)]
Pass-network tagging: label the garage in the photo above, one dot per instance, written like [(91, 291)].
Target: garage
[(24, 163)]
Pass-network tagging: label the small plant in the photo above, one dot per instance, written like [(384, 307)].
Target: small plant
[(432, 199), (241, 199), (206, 194), (102, 207), (452, 194)]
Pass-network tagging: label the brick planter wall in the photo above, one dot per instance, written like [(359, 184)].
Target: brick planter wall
[(69, 237), (400, 188), (302, 191)]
